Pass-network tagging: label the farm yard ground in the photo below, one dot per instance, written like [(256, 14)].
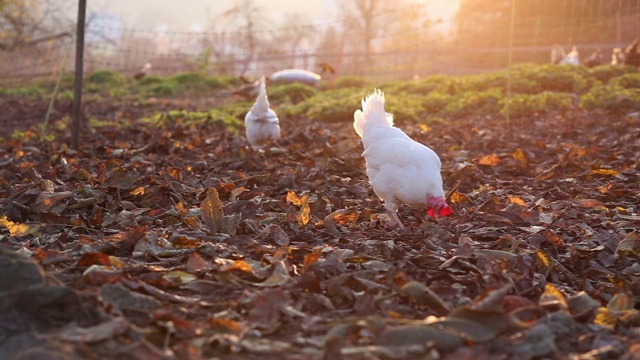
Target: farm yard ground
[(124, 250)]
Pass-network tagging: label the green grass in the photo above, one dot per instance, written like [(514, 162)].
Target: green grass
[(535, 90)]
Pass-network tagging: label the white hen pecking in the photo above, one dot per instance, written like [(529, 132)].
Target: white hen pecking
[(261, 123), (400, 170)]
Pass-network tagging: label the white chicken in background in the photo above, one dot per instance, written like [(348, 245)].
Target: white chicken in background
[(261, 123), (400, 170), (144, 71), (559, 56), (617, 57), (573, 58)]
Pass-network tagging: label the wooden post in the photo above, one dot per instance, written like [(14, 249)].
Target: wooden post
[(77, 91)]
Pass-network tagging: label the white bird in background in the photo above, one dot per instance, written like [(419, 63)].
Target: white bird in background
[(617, 57), (559, 56), (572, 58), (261, 123), (144, 71), (400, 170)]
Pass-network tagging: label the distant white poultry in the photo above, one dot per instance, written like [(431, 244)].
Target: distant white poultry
[(400, 170), (261, 123), (572, 58), (559, 56), (295, 76), (617, 57), (144, 71)]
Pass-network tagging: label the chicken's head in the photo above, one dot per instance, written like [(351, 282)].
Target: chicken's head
[(438, 207)]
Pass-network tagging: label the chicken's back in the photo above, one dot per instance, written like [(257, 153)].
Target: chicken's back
[(376, 134), (403, 170)]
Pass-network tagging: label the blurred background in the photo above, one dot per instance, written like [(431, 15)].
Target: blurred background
[(375, 39)]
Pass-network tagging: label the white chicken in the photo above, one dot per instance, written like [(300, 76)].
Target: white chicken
[(144, 71), (261, 123), (559, 56), (400, 170)]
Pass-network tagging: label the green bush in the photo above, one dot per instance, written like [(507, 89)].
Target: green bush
[(238, 109), (626, 81), (216, 83), (66, 95), (150, 80), (550, 77), (189, 79), (604, 73), (474, 103), (163, 89), (483, 82), (108, 78), (292, 93), (196, 82), (188, 117), (92, 88), (532, 104), (613, 99), (68, 82), (436, 101), (350, 82), (333, 105), (422, 86), (25, 91)]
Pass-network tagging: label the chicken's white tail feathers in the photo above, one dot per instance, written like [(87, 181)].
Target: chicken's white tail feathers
[(262, 103), (374, 102), (372, 113)]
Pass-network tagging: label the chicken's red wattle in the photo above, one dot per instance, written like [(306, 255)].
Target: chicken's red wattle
[(445, 211)]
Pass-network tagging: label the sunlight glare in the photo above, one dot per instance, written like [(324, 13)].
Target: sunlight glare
[(440, 9)]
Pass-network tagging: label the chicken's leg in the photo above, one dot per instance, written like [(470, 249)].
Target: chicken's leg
[(392, 208)]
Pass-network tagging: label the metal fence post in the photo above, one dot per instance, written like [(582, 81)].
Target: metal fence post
[(77, 91)]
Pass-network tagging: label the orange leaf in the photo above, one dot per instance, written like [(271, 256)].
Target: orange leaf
[(522, 159), (181, 208), (605, 172), (553, 237), (343, 216), (17, 229), (553, 297), (137, 191), (305, 211), (517, 200), (238, 265), (491, 160), (225, 326), (587, 203), (544, 259), (190, 221), (293, 198), (309, 259), (458, 198), (211, 210), (604, 317)]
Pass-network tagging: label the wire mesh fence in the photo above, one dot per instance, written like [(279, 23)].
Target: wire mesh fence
[(400, 54)]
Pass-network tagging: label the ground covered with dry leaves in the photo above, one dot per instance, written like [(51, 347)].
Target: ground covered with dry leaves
[(175, 241)]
